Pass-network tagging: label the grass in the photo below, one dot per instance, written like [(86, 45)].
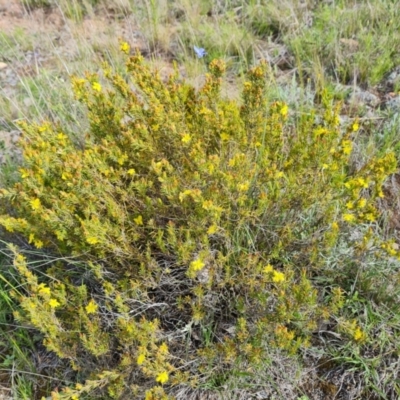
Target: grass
[(16, 342), (311, 46), (357, 42)]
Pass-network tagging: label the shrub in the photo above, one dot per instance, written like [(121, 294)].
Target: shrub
[(200, 225)]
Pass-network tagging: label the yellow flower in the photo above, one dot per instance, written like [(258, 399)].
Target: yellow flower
[(350, 205), (184, 194), (224, 136), (162, 377), (359, 335), (53, 303), (370, 217), (35, 204), (124, 47), (278, 276), (362, 203), (207, 204), (96, 86), (24, 173), (335, 226), (65, 176), (38, 243), (212, 229), (197, 265), (91, 308), (243, 187), (92, 240), (320, 131), (131, 172), (61, 136), (362, 182), (140, 359), (186, 138), (267, 269), (284, 110), (138, 220), (347, 146), (74, 397), (43, 289), (79, 81), (163, 348), (122, 159), (355, 127), (334, 166), (349, 217)]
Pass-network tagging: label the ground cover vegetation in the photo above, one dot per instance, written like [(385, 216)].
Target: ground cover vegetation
[(185, 225)]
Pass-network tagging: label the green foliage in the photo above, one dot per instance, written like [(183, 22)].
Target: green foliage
[(224, 39), (353, 42), (16, 341), (18, 39), (201, 226)]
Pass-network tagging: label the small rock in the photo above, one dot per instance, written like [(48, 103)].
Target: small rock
[(363, 97), (391, 82), (393, 104), (263, 395), (394, 76), (3, 65)]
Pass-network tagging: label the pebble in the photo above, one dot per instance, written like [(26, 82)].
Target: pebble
[(354, 95), (393, 104), (394, 76), (363, 97)]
